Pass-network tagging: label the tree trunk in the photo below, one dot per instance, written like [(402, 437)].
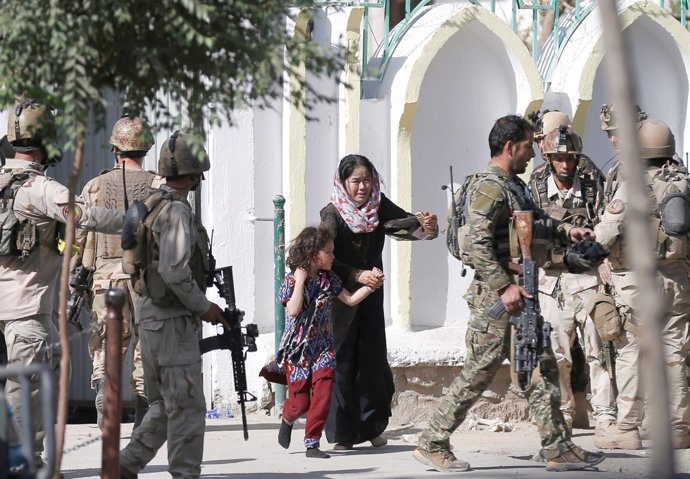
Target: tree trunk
[(650, 305), (64, 291)]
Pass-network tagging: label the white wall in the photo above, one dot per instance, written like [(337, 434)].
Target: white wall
[(660, 75), (469, 84)]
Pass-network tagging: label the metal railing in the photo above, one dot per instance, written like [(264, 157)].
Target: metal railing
[(562, 28), (23, 373)]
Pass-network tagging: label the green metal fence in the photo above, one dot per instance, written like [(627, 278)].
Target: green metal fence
[(393, 33)]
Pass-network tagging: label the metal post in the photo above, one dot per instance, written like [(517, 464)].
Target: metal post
[(110, 461), (279, 269), (535, 33)]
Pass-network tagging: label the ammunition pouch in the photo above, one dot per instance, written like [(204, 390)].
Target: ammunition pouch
[(606, 318), (17, 238)]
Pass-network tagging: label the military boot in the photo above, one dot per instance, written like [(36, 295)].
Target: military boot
[(608, 436), (141, 405), (442, 461), (570, 457), (100, 385)]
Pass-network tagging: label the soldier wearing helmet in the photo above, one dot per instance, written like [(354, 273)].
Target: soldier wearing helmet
[(668, 186), (101, 253), (169, 265), (571, 195), (34, 209)]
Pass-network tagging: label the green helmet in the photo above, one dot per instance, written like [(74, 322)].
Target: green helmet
[(656, 140), (177, 158), (32, 125), (131, 135), (608, 116), (562, 139), (548, 121)]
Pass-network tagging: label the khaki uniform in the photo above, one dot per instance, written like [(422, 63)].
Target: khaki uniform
[(566, 298), (102, 254), (170, 348), (672, 276), (28, 284), (491, 202)]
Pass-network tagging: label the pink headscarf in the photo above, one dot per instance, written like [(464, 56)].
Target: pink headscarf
[(360, 219)]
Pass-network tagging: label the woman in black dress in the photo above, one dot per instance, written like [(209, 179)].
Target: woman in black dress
[(359, 216)]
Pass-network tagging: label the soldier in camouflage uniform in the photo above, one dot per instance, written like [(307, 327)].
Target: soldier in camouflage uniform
[(131, 139), (658, 149), (624, 433), (30, 261), (571, 195), (496, 194), (169, 266)]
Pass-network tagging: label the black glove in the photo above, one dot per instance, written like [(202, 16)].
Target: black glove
[(585, 256)]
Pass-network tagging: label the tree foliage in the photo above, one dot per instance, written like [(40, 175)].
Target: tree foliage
[(204, 57)]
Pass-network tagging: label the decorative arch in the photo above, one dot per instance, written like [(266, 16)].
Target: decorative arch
[(444, 21)]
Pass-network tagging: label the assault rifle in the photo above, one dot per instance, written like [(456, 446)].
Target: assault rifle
[(454, 224), (234, 339), (80, 282), (532, 334)]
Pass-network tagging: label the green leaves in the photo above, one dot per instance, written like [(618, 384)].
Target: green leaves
[(205, 58)]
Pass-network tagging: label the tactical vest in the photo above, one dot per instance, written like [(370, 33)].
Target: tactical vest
[(145, 277), (110, 194), (516, 197), (17, 237), (583, 213)]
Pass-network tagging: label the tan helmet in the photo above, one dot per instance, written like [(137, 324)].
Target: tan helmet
[(31, 125), (656, 140), (608, 116), (549, 121), (177, 158), (131, 135), (562, 139)]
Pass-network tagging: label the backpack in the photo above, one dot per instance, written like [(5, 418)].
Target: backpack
[(17, 238), (455, 235), (670, 190)]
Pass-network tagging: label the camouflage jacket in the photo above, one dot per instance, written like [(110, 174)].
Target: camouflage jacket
[(180, 239), (491, 203), (29, 283)]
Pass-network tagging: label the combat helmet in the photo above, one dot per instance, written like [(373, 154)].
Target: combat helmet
[(31, 125), (547, 121), (131, 135), (177, 158), (607, 116), (562, 139), (656, 140)]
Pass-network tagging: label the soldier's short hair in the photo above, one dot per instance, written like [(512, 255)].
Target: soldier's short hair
[(508, 128)]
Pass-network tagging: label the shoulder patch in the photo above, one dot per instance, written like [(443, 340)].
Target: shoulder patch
[(616, 207), (486, 194)]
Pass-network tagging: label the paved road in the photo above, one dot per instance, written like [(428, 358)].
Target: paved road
[(227, 455)]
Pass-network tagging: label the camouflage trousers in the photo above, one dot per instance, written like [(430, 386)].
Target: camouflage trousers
[(488, 345), (97, 338), (29, 341), (172, 372), (675, 286), (629, 402), (567, 314)]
